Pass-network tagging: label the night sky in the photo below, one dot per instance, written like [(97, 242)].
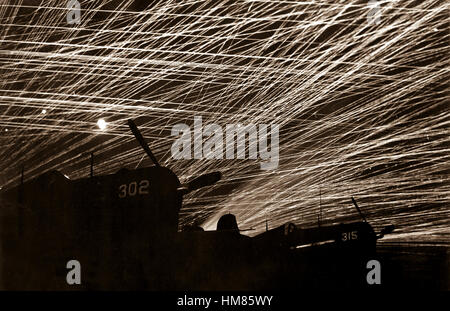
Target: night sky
[(362, 106)]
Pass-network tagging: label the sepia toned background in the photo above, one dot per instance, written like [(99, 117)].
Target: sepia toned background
[(362, 107)]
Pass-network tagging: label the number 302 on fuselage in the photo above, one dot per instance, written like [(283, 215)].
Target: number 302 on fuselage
[(149, 184), (134, 188)]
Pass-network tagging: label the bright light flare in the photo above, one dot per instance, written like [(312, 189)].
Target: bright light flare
[(101, 124)]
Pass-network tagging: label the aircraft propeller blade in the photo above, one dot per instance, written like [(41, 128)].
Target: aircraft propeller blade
[(359, 211), (141, 141), (201, 181)]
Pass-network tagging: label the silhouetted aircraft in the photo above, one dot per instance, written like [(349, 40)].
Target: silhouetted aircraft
[(123, 229)]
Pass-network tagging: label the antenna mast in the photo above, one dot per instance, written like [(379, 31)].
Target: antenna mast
[(92, 164), (319, 217), (21, 188)]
